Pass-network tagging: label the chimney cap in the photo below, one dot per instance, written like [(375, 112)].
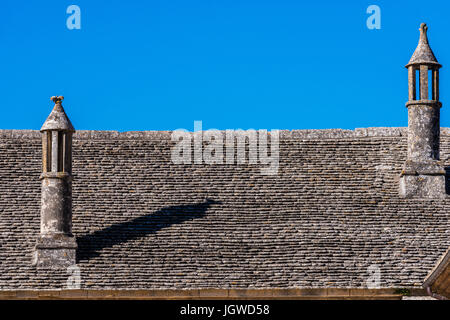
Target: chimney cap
[(57, 120), (423, 53)]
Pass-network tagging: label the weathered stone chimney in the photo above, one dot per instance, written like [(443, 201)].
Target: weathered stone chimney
[(423, 176), (56, 246)]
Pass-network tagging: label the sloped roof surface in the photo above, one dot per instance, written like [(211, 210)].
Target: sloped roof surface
[(439, 278), (423, 53), (58, 120), (143, 222)]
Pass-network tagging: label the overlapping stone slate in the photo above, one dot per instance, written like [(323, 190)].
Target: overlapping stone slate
[(142, 222)]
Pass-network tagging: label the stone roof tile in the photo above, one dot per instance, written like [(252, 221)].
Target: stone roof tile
[(142, 222)]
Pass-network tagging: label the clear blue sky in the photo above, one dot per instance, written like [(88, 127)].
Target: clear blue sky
[(161, 64)]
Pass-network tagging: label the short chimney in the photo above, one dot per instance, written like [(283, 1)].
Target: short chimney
[(423, 176), (56, 246)]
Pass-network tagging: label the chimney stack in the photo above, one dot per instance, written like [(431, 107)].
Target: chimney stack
[(56, 246), (423, 176)]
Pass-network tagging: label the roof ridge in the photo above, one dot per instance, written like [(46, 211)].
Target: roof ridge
[(153, 134)]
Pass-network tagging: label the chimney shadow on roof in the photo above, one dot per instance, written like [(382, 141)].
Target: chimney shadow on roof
[(90, 245), (447, 180)]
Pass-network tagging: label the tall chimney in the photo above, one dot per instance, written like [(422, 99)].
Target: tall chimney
[(56, 246), (423, 176)]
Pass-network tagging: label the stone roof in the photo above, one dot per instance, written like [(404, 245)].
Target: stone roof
[(58, 120), (142, 222), (439, 278), (423, 53)]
